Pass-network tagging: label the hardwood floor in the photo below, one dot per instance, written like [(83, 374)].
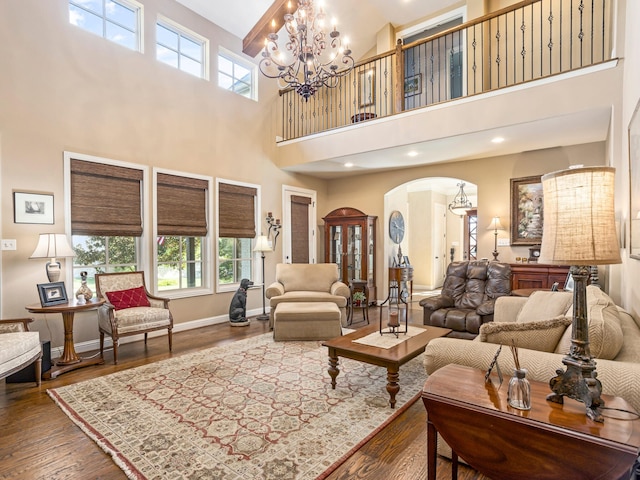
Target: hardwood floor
[(38, 441)]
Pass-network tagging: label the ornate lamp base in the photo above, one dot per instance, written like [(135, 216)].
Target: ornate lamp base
[(579, 380), (580, 383)]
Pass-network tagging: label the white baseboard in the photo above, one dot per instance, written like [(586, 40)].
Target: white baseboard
[(93, 345)]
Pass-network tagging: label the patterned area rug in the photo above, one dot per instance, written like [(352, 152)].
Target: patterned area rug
[(251, 409)]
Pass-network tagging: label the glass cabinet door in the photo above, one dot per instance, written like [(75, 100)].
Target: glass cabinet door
[(335, 246), (354, 252)]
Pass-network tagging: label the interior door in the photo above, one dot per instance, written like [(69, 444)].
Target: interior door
[(299, 231), (439, 244)]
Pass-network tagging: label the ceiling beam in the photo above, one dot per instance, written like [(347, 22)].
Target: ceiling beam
[(253, 43)]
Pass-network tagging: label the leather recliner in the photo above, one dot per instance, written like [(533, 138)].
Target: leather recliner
[(468, 296)]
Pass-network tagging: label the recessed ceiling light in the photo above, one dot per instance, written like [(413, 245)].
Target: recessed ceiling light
[(413, 153), (348, 164), (497, 140)]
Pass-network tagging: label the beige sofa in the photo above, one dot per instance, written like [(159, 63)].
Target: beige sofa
[(302, 282), (614, 337)]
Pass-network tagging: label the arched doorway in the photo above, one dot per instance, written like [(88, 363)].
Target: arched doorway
[(434, 235)]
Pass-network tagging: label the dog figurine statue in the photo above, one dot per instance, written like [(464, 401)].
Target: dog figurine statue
[(238, 307)]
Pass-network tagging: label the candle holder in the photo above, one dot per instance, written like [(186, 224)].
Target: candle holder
[(393, 323), (274, 226)]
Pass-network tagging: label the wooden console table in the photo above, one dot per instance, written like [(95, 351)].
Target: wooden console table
[(549, 442), (69, 360)]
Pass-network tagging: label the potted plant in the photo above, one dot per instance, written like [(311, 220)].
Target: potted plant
[(358, 298)]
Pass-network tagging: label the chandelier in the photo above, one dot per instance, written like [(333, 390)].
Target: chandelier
[(312, 60), (460, 203)]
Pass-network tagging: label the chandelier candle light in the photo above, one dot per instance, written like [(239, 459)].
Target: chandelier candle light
[(311, 60), (579, 230)]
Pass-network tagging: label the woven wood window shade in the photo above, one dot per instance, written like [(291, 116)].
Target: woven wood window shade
[(300, 229), (236, 211), (105, 199), (181, 206)]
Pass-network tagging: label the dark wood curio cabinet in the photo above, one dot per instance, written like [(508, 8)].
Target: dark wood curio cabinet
[(350, 242)]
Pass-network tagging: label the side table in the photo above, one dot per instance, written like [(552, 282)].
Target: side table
[(358, 286), (548, 442), (69, 360)]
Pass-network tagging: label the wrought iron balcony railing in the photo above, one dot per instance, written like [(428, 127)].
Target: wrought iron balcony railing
[(530, 40)]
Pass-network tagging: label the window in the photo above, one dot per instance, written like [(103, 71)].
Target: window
[(116, 20), (236, 230), (236, 75), (105, 201), (180, 48), (182, 231)]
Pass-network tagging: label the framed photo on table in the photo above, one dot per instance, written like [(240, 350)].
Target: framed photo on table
[(527, 216), (32, 208), (52, 294)]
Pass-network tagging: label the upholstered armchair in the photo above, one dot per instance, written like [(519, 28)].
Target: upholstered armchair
[(19, 347), (129, 309), (468, 296)]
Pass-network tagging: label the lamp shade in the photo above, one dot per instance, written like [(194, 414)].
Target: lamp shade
[(52, 245), (495, 224), (262, 244), (579, 217)]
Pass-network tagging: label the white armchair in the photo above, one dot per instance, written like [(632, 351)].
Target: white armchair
[(19, 347), (129, 309)]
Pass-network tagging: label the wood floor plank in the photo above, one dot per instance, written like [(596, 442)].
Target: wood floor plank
[(39, 442)]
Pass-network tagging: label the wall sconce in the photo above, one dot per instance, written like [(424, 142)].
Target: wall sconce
[(274, 227)]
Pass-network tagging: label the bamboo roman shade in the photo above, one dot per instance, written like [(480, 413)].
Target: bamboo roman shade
[(105, 199), (236, 211), (181, 204)]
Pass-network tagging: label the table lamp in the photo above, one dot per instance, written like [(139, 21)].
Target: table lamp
[(495, 225), (262, 245), (579, 230), (52, 246)]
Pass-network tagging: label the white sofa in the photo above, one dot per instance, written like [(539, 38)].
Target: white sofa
[(305, 282), (614, 337), (19, 348)]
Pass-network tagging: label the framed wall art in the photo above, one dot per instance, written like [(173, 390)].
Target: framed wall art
[(366, 88), (52, 294), (32, 208), (527, 216), (413, 85), (634, 183)]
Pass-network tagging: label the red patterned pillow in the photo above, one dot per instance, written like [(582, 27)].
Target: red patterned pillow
[(133, 297)]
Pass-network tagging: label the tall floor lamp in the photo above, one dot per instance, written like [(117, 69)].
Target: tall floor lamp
[(579, 230), (495, 225), (262, 245)]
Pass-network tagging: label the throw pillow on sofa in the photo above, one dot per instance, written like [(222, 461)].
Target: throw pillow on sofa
[(605, 333), (543, 304), (542, 335)]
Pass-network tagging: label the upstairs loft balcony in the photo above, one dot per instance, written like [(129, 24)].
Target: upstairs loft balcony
[(499, 69)]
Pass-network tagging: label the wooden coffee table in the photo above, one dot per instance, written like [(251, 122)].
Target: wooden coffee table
[(548, 442), (390, 358)]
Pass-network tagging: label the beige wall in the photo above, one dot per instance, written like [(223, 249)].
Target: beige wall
[(491, 175), (64, 89)]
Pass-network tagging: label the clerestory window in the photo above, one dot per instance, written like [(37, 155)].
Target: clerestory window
[(116, 20), (181, 48), (236, 75)]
